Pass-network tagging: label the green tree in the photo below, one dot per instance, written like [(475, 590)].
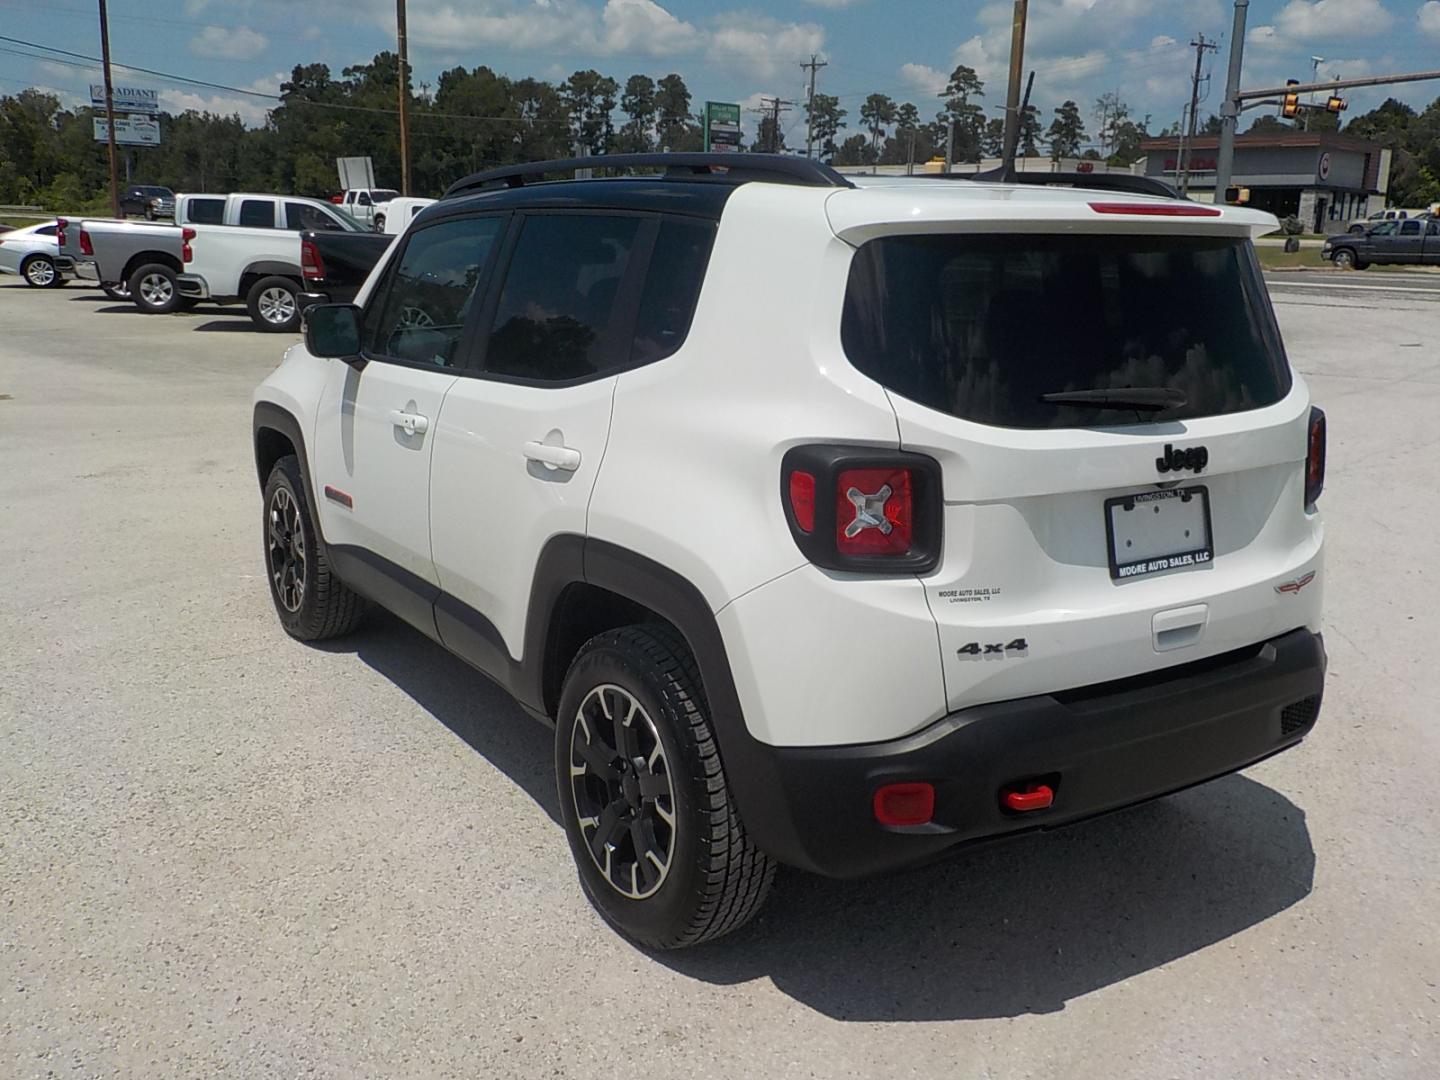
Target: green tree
[(590, 99), (877, 113), (901, 149), (672, 103), (1067, 132), (826, 118), (961, 110), (638, 103), (856, 150)]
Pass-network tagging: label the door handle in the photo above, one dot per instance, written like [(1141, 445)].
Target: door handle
[(412, 423), (552, 457)]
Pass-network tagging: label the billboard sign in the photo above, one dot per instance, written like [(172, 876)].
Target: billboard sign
[(126, 99), (130, 130), (355, 172), (722, 127)]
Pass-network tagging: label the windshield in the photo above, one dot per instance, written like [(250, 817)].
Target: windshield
[(985, 326), (383, 195), (351, 224)]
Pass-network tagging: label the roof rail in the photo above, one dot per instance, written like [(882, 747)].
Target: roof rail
[(1126, 182), (732, 168)]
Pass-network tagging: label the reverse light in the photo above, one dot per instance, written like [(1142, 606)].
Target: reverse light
[(1315, 457), (312, 266), (187, 253), (86, 248), (905, 804), (1155, 209)]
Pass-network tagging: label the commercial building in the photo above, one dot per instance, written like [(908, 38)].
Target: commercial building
[(1324, 178)]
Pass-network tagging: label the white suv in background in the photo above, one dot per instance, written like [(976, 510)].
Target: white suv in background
[(829, 525)]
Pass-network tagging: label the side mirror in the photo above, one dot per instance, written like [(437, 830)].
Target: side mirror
[(332, 331)]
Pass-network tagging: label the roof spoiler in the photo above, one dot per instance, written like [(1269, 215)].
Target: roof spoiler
[(732, 168), (1126, 182)]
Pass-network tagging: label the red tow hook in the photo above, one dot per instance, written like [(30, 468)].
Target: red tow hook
[(1031, 797)]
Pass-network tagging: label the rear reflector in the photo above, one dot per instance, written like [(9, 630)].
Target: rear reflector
[(1029, 797), (1155, 209), (875, 512), (1315, 458), (802, 495), (905, 804)]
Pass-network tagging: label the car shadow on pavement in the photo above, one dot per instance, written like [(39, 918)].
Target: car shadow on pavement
[(226, 326), (462, 699), (1025, 925)]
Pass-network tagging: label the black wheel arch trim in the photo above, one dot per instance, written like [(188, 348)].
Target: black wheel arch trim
[(269, 416), (272, 268)]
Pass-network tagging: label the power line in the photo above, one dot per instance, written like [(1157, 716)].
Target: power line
[(813, 67), (771, 108)]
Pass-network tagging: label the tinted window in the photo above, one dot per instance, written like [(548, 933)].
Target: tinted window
[(672, 286), (257, 213), (363, 199), (982, 326), (205, 211), (46, 230), (304, 218), (1434, 229), (1410, 228), (555, 311), (428, 294)]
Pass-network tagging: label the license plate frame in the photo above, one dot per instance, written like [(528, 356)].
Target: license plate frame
[(1186, 557)]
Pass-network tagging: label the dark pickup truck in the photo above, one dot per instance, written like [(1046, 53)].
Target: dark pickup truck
[(1411, 242), (336, 264)]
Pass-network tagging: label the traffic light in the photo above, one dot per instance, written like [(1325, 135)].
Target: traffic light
[(1237, 196), (1291, 109), (1336, 105)]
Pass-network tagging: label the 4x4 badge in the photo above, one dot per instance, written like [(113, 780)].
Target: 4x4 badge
[(1296, 585), (1194, 458)]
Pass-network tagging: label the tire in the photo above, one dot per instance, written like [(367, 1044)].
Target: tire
[(118, 292), (39, 272), (1344, 259), (274, 305), (667, 792), (153, 289), (312, 603)]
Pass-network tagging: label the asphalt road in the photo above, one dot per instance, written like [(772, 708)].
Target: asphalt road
[(222, 852)]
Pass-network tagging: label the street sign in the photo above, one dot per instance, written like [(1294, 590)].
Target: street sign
[(129, 130), (722, 127), (126, 99)]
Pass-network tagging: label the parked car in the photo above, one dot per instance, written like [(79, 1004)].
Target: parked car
[(1411, 241), (336, 264), (369, 206), (1056, 436), (1393, 214), (32, 252), (401, 212), (147, 201)]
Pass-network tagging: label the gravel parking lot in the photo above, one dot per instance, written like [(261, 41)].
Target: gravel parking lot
[(225, 852)]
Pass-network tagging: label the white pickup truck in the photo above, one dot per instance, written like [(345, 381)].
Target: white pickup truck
[(222, 248), (369, 206)]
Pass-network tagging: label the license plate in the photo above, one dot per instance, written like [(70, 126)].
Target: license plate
[(1158, 530)]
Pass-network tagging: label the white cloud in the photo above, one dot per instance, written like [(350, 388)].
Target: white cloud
[(924, 79), (766, 46), (251, 110), (1429, 17), (229, 43), (1159, 41), (626, 23), (1302, 21)]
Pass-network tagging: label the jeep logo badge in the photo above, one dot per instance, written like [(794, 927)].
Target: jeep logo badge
[(1193, 458)]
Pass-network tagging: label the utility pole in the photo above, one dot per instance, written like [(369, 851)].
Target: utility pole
[(813, 66), (109, 109), (404, 98), (1230, 107), (1012, 97), (1187, 137), (771, 108)]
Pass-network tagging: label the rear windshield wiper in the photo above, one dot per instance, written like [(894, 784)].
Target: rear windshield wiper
[(1149, 398)]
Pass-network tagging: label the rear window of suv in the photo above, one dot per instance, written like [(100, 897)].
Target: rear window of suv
[(982, 326)]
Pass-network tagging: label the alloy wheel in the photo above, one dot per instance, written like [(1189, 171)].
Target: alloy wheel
[(276, 305), (156, 289), (624, 801), (285, 549), (40, 273)]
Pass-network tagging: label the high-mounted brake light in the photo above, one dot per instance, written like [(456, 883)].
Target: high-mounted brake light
[(86, 248), (312, 266), (1315, 458), (186, 252), (1155, 209)]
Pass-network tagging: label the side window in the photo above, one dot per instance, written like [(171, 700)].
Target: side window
[(419, 314), (205, 211), (257, 213), (1434, 229), (51, 230), (1410, 228), (554, 315), (363, 198), (302, 217), (672, 286)]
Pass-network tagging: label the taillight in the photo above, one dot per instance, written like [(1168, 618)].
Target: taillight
[(312, 266), (61, 224), (187, 253), (1315, 458), (862, 509), (86, 248)]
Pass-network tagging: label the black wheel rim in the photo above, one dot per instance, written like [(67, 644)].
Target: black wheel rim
[(285, 545), (624, 803)]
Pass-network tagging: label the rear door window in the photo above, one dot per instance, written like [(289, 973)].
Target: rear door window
[(983, 326), (257, 213), (205, 211), (672, 287), (305, 218)]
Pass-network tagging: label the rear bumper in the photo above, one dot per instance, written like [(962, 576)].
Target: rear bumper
[(86, 270), (193, 286), (310, 299), (1101, 748), (65, 267)]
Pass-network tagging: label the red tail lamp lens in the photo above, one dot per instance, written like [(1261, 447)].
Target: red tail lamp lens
[(187, 254), (905, 804), (86, 248), (61, 224), (1315, 458), (802, 500), (874, 512)]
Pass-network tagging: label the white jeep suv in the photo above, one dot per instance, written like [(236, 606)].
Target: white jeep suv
[(830, 523)]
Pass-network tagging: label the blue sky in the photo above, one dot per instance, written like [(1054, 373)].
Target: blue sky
[(905, 48)]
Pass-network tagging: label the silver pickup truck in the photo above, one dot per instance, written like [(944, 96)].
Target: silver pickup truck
[(110, 252)]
